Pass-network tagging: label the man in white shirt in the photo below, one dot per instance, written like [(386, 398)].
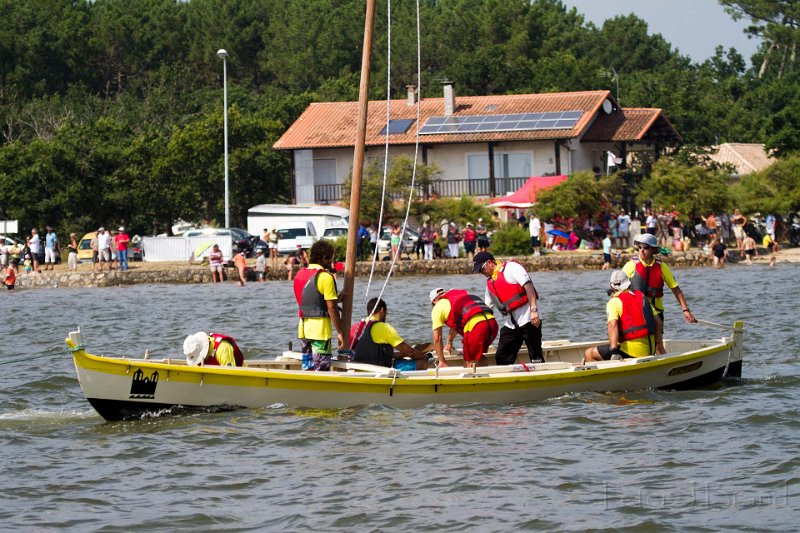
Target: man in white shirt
[(623, 229), (536, 234), (103, 248), (509, 288), (35, 245)]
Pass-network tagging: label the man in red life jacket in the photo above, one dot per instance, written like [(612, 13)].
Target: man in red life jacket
[(212, 349), (465, 314), (649, 275), (631, 323), (374, 341), (510, 290), (315, 292)]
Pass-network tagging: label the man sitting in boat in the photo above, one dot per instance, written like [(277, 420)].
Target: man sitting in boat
[(466, 314), (374, 341), (631, 323), (315, 292), (649, 275), (215, 349)]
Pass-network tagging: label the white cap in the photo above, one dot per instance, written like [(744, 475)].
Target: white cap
[(619, 280), (195, 348), (122, 228), (435, 293)]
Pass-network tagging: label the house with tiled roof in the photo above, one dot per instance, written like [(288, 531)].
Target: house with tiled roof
[(485, 146), (745, 158)]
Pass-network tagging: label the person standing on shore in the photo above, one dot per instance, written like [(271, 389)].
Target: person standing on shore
[(649, 275), (536, 234), (51, 249), (215, 263), (510, 290), (483, 236), (72, 257), (103, 248), (122, 240), (34, 248)]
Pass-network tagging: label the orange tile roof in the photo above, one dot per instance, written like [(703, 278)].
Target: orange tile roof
[(333, 124), (631, 125)]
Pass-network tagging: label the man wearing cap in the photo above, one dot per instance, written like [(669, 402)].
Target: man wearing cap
[(50, 249), (315, 292), (122, 240), (510, 290), (374, 341), (631, 323), (649, 275), (212, 349), (465, 314), (482, 235), (103, 248)]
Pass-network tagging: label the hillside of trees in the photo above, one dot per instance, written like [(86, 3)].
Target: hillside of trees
[(111, 110)]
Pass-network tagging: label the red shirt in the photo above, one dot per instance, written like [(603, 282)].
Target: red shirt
[(122, 240)]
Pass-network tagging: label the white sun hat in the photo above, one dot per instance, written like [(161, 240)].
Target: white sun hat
[(619, 280), (435, 293), (195, 348)]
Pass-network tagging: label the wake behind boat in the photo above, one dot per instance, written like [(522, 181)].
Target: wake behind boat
[(121, 388)]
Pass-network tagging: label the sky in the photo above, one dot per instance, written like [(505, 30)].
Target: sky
[(695, 27)]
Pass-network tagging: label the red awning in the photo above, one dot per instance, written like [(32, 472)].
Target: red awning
[(526, 195)]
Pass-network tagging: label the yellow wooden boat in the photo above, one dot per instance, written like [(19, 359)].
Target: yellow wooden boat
[(121, 387)]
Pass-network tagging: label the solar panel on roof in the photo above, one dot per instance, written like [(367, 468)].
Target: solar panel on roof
[(398, 126), (555, 120)]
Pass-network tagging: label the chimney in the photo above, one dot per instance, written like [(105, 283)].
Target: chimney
[(411, 90), (449, 97)]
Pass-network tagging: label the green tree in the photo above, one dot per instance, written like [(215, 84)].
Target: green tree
[(694, 190), (775, 189), (582, 194)]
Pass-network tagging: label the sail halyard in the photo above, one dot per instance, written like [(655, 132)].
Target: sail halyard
[(358, 168)]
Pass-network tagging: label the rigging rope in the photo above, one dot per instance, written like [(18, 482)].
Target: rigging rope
[(386, 154)]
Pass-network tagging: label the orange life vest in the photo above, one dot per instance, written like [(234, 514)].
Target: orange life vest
[(637, 318), (648, 279), (507, 296)]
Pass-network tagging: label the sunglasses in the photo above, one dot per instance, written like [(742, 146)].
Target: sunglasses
[(643, 247)]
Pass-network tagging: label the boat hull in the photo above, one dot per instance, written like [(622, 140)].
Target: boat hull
[(120, 388)]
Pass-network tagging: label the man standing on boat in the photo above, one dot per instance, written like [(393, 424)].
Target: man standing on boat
[(315, 292), (631, 323), (374, 341), (509, 289), (649, 275), (465, 314)]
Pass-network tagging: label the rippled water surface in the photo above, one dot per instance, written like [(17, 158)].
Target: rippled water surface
[(709, 460)]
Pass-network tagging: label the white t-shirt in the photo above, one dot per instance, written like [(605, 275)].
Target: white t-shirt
[(35, 244), (607, 245), (514, 273), (651, 221), (624, 223), (104, 240), (536, 227)]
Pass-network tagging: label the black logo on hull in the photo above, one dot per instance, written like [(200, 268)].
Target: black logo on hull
[(142, 387)]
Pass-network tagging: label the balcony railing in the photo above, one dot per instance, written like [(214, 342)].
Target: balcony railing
[(461, 187)]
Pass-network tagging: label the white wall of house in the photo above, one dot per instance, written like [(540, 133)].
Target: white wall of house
[(456, 161)]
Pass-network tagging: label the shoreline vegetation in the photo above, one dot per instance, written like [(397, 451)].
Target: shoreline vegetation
[(183, 273)]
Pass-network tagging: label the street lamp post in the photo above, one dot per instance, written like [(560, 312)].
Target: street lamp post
[(222, 54)]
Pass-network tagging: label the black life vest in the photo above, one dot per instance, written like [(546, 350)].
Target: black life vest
[(310, 302), (370, 352)]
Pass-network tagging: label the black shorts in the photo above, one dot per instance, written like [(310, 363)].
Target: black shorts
[(605, 349), (607, 258), (535, 242), (750, 252), (10, 287)]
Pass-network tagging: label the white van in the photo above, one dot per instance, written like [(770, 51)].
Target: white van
[(290, 235), (267, 216)]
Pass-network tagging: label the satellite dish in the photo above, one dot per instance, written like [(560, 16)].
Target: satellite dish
[(608, 107)]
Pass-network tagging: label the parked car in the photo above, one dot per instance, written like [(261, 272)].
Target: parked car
[(85, 254), (293, 234), (334, 233), (240, 239)]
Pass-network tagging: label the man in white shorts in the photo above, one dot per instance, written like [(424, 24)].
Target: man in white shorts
[(50, 249), (103, 248)]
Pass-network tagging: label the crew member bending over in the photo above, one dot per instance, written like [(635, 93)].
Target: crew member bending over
[(205, 349), (465, 314)]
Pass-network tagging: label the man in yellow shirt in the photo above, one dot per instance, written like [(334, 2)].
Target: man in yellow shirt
[(378, 340), (649, 275), (212, 349), (317, 299), (466, 314), (631, 323)]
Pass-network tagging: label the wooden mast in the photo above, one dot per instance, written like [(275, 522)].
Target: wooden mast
[(358, 168)]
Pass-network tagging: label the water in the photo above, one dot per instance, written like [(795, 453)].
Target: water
[(709, 460)]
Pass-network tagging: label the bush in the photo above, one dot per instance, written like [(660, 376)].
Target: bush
[(512, 239)]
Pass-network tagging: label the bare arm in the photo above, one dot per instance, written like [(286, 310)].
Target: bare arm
[(438, 346), (535, 320), (687, 315), (613, 334), (333, 312), (409, 351)]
